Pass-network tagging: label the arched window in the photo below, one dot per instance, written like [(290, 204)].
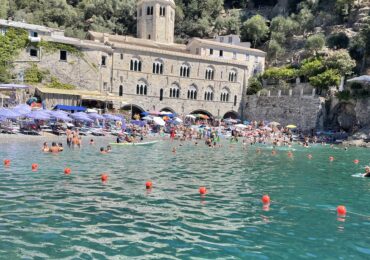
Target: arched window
[(158, 67), (208, 94), (151, 10), (210, 73), (141, 88), (162, 11), (192, 92), (174, 91), (120, 91), (225, 95), (148, 10), (135, 64), (185, 70), (233, 75)]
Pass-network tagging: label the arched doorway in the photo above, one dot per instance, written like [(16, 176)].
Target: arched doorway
[(202, 112), (131, 110), (231, 114), (168, 109)]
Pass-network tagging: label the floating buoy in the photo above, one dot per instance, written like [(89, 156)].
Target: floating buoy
[(104, 177), (148, 185), (309, 156), (331, 158), (356, 161), (266, 199), (6, 162), (341, 210), (67, 171), (34, 167), (203, 190)]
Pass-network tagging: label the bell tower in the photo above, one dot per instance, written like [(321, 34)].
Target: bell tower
[(156, 20)]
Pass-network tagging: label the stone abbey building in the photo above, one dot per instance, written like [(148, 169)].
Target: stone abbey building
[(147, 73)]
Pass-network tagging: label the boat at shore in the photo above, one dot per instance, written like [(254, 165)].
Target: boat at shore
[(136, 144)]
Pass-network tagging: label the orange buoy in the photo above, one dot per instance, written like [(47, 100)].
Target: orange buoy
[(148, 185), (331, 158), (104, 177), (203, 190), (266, 199), (341, 210), (356, 161), (67, 171), (34, 167), (6, 162)]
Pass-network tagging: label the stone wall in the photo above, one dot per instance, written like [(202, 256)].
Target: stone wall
[(306, 112)]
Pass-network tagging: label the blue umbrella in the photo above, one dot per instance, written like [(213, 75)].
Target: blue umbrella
[(60, 116), (22, 109), (38, 115), (96, 116), (112, 117), (8, 114)]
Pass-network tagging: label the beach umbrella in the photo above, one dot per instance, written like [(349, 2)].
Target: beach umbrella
[(363, 78), (83, 119), (145, 113), (112, 117), (159, 121), (291, 126), (165, 113), (96, 116), (190, 116), (241, 126), (60, 116), (274, 124), (22, 109), (178, 120), (267, 128), (38, 115), (8, 114), (148, 118)]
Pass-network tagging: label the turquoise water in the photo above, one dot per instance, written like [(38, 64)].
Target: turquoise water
[(47, 215)]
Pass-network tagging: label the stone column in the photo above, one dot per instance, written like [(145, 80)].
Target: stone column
[(269, 93)]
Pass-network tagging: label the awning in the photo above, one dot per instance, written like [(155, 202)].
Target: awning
[(70, 108)]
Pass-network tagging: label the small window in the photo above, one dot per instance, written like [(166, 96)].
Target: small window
[(105, 86), (221, 53), (210, 51), (161, 94), (121, 56), (120, 91), (35, 34), (234, 55), (197, 51), (33, 53), (149, 37), (104, 60), (235, 100), (63, 55)]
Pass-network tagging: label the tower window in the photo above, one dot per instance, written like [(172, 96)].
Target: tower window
[(221, 53), (149, 37), (210, 73), (211, 51), (135, 65), (63, 55), (162, 11), (185, 71), (104, 60), (157, 67)]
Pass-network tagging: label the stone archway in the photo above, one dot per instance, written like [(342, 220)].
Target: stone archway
[(203, 112), (167, 109), (132, 109), (231, 114)]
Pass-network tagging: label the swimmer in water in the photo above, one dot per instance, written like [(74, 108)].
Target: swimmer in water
[(54, 148), (45, 147), (174, 150), (290, 154), (91, 141), (61, 149), (102, 151), (367, 171), (109, 149)]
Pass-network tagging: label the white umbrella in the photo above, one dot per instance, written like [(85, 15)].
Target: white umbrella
[(178, 120), (190, 116), (148, 118), (159, 121), (240, 126), (165, 113)]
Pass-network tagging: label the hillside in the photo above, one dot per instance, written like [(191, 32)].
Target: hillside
[(281, 27)]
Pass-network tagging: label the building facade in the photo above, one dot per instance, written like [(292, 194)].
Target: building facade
[(151, 72)]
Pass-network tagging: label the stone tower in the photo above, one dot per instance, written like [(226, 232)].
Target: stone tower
[(156, 20)]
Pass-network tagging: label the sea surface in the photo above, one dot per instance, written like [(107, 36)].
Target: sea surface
[(49, 215)]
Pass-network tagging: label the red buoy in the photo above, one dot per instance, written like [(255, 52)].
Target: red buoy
[(148, 185), (331, 158), (341, 210), (203, 190), (356, 161), (34, 167), (266, 199), (104, 177), (6, 162), (67, 171)]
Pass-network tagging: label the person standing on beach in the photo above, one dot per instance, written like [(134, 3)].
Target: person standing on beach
[(69, 135)]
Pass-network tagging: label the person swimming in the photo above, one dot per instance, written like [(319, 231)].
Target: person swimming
[(54, 148), (45, 147), (91, 141), (102, 150), (367, 171), (61, 149)]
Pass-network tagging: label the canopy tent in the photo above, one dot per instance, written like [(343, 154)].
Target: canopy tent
[(70, 108)]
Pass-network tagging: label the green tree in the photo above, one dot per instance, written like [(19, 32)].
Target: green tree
[(255, 30), (254, 85), (311, 68), (341, 61), (283, 73), (325, 80), (305, 19), (315, 43), (337, 41), (4, 8), (284, 25), (275, 50)]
